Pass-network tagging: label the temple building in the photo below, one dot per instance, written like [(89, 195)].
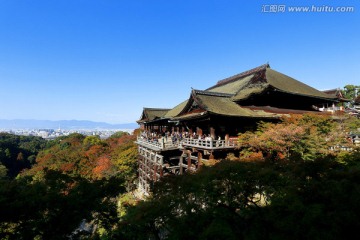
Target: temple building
[(206, 125)]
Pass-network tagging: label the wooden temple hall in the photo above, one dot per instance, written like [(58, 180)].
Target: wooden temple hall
[(206, 125)]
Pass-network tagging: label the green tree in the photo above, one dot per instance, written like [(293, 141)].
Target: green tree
[(91, 141), (349, 91), (51, 205), (3, 171), (18, 152), (251, 200), (119, 134)]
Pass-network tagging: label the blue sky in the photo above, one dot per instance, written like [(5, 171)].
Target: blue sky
[(104, 60)]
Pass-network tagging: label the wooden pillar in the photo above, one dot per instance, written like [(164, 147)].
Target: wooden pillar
[(189, 160), (161, 166), (199, 159), (227, 140), (211, 157), (155, 172), (181, 160), (212, 132), (199, 131)]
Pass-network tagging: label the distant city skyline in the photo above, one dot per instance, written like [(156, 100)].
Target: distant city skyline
[(55, 133), (105, 60)]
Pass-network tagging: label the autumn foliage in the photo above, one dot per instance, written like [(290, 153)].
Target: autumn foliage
[(304, 137), (74, 178), (89, 157)]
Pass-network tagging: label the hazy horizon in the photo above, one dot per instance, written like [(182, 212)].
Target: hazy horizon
[(59, 120)]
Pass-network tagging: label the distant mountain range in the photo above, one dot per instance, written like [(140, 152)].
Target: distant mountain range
[(62, 124)]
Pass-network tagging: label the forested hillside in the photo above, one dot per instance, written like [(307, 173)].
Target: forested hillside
[(74, 179), (252, 200), (18, 153), (297, 179), (89, 157)]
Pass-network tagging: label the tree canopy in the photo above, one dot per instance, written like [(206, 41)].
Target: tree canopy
[(349, 91), (74, 179), (292, 180), (299, 137), (251, 200), (19, 152)]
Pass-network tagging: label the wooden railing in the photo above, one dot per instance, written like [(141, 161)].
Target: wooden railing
[(209, 144), (159, 144), (163, 144)]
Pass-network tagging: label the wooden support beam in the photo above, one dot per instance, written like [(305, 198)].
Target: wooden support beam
[(186, 166), (155, 172), (189, 159), (212, 132), (227, 140), (199, 131), (211, 157), (181, 160), (199, 159)]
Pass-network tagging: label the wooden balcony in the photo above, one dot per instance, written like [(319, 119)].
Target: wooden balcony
[(157, 145), (209, 144), (164, 144)]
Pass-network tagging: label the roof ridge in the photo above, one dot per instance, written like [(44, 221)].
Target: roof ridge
[(159, 109), (215, 94), (240, 75)]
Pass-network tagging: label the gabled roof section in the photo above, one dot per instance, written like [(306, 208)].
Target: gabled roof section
[(288, 84), (332, 92), (271, 79), (336, 93), (238, 77), (176, 110), (260, 79), (232, 87), (219, 104), (150, 114)]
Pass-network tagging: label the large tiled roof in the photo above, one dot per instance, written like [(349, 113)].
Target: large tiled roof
[(176, 110), (224, 98), (223, 105), (258, 80), (150, 114), (219, 104), (288, 84), (232, 87), (239, 76)]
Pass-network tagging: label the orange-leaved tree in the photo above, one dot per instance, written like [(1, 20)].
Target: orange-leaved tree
[(304, 137)]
